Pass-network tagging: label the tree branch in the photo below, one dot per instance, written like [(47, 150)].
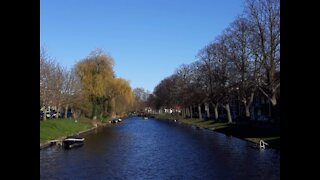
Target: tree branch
[(263, 92)]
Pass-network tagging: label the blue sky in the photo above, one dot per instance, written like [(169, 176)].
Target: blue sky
[(148, 39)]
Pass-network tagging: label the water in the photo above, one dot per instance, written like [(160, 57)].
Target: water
[(156, 149)]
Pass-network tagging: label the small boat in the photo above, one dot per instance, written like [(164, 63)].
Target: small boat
[(116, 120), (145, 117), (73, 141)]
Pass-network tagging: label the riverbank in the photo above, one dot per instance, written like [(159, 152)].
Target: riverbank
[(55, 128), (60, 139), (58, 129), (248, 131)]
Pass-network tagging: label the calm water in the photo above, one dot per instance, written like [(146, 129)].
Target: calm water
[(155, 149)]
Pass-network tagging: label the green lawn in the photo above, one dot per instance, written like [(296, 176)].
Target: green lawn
[(208, 124), (57, 128)]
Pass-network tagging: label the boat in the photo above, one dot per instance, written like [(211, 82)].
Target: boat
[(73, 141), (116, 120)]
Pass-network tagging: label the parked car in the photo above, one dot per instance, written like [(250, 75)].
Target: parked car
[(48, 114)]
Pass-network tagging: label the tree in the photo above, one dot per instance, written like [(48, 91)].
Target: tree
[(239, 42), (119, 96), (50, 82), (264, 15), (185, 87), (57, 87), (225, 74), (246, 57), (125, 97), (141, 96), (95, 72), (210, 75), (71, 91)]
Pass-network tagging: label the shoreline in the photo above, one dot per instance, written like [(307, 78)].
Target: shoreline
[(255, 141), (52, 142), (96, 124)]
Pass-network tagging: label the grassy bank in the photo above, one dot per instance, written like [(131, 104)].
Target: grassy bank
[(248, 131), (57, 128)]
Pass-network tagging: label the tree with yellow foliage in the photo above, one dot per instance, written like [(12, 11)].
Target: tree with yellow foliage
[(107, 94), (95, 73), (124, 97)]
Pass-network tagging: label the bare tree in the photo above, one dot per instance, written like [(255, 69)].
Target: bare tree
[(141, 97), (239, 42), (71, 88), (210, 75), (47, 79), (265, 18), (224, 74), (184, 86), (244, 58), (56, 87)]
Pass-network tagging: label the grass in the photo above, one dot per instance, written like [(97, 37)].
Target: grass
[(57, 128), (105, 119), (254, 133), (208, 124), (248, 131)]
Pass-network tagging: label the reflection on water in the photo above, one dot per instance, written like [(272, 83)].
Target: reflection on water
[(155, 149)]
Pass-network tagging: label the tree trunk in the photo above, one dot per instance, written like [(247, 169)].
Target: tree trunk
[(228, 113), (199, 110), (57, 112), (191, 114), (94, 108), (269, 109), (75, 114), (113, 109), (183, 113), (207, 110), (273, 100), (101, 105), (247, 111), (66, 112), (45, 114), (247, 105), (216, 114)]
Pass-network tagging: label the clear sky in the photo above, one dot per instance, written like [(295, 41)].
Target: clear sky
[(148, 39)]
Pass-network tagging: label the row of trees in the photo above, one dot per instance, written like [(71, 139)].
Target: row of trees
[(90, 88), (243, 61), (58, 86), (141, 96)]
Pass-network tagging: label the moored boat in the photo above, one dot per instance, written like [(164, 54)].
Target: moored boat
[(73, 141)]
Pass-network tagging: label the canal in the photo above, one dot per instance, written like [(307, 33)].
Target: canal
[(157, 149)]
